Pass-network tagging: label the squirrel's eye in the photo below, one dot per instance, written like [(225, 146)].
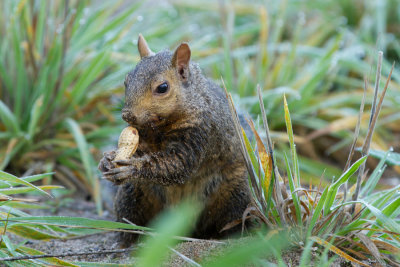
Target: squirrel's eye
[(162, 88)]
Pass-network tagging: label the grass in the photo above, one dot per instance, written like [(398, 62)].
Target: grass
[(296, 217), (55, 86), (61, 74), (357, 224)]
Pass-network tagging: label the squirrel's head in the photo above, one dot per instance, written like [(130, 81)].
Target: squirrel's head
[(154, 89)]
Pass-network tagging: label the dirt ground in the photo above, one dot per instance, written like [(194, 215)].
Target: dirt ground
[(195, 251), (106, 241)]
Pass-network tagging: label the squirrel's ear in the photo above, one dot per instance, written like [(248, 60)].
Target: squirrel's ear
[(143, 48), (181, 59)]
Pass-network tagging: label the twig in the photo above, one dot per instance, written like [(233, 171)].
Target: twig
[(374, 116), (377, 80), (187, 259), (357, 129), (356, 135), (31, 257)]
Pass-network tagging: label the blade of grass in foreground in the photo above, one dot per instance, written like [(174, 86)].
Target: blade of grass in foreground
[(249, 251), (176, 222), (75, 222)]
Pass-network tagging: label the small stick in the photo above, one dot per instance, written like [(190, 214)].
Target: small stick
[(377, 80), (357, 129), (187, 259), (374, 117), (31, 257), (356, 135)]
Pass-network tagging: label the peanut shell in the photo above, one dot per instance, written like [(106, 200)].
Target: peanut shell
[(127, 143)]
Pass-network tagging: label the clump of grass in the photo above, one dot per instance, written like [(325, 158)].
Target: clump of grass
[(14, 221), (358, 224), (55, 84)]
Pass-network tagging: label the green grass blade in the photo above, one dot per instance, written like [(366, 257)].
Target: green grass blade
[(390, 157), (392, 210), (21, 190), (317, 211), (31, 178), (289, 128), (178, 221), (13, 179), (292, 190), (86, 158), (74, 222), (34, 118), (9, 119), (332, 192), (249, 251), (388, 223), (374, 177)]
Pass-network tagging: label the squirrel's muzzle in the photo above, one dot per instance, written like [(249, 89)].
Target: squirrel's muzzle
[(129, 117)]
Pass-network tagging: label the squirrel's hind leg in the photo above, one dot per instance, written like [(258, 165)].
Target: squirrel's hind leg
[(226, 205), (135, 204)]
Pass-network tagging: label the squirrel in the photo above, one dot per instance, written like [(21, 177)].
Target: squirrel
[(188, 146)]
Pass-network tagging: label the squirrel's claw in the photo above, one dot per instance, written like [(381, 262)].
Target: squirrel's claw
[(106, 163), (118, 175), (123, 162)]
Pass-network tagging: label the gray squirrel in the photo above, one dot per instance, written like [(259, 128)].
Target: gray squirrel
[(187, 146)]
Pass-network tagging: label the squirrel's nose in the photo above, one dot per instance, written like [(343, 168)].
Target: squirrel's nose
[(128, 117)]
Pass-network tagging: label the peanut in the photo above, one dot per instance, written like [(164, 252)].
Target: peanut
[(127, 143)]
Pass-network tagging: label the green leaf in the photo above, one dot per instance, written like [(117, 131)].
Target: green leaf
[(86, 158), (317, 211), (388, 223), (374, 177), (9, 119), (75, 222), (83, 147), (21, 190), (13, 179), (249, 251), (31, 178), (392, 210), (292, 190), (332, 192), (29, 231), (390, 157), (177, 221), (35, 115)]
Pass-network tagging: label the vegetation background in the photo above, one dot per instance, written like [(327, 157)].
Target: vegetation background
[(63, 65)]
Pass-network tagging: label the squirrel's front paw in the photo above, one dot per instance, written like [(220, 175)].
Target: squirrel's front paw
[(106, 163), (119, 175)]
